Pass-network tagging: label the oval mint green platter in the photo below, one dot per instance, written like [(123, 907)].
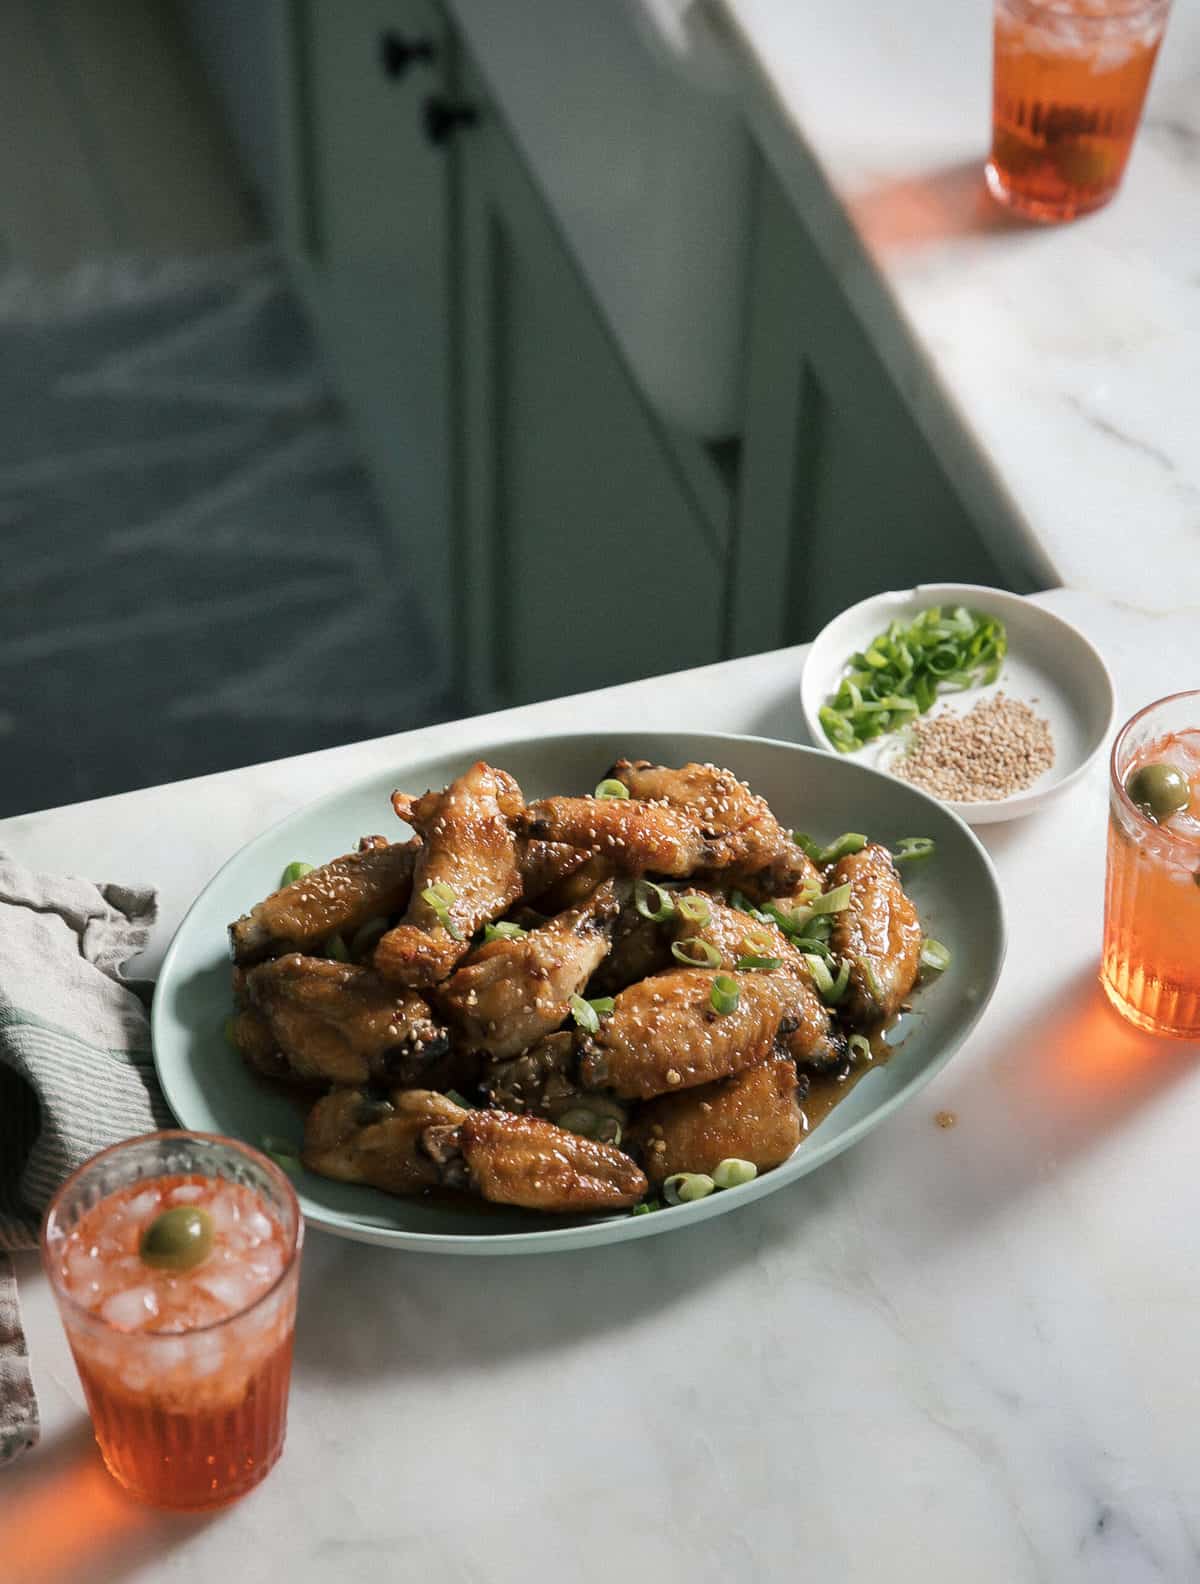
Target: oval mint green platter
[(956, 891)]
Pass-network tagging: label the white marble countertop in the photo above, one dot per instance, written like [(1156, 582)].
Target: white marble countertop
[(1068, 354), (951, 1354)]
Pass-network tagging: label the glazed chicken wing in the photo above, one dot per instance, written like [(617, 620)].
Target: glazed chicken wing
[(355, 1139), (640, 947), (674, 822), (509, 993), (469, 851), (664, 1034), (336, 1022), (878, 932), (544, 1081), (337, 898), (752, 1116), (812, 1037), (526, 1161)]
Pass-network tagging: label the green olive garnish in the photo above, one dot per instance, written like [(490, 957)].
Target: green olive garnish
[(178, 1239), (1159, 790)]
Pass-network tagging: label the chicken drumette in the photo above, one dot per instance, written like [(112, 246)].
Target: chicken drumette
[(335, 1022), (336, 899)]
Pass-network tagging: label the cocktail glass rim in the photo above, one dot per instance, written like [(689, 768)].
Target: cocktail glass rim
[(1129, 11), (1118, 785), (291, 1253)]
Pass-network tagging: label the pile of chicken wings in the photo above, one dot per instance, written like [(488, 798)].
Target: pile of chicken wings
[(561, 1004)]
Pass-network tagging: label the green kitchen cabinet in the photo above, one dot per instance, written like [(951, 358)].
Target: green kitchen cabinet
[(367, 232), (840, 495), (587, 555)]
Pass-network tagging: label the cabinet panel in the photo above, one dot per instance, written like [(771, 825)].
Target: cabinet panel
[(587, 559), (370, 225), (841, 496)]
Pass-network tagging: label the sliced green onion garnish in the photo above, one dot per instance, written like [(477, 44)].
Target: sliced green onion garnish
[(867, 969), (914, 847), (806, 844), (851, 842), (503, 931), (841, 984), (790, 923), (651, 901), (724, 994), (294, 872), (684, 1187), (754, 963), (860, 1047), (648, 1208), (439, 896), (821, 977), (758, 943), (282, 1151), (935, 956), (742, 902), (694, 908), (817, 930), (458, 1099), (588, 1013), (367, 935), (696, 953), (335, 947), (733, 1172), (611, 789), (835, 901), (902, 670)]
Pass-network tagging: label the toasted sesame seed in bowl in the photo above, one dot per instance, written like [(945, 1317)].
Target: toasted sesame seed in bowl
[(992, 751)]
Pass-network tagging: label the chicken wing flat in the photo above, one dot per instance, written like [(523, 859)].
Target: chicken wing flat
[(469, 854), (509, 993), (335, 1022), (750, 840), (674, 822), (879, 933), (526, 1161), (337, 898), (664, 1034), (352, 1138), (812, 1038), (752, 1116)]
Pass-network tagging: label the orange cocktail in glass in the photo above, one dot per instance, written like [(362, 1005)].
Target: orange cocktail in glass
[(1069, 80), (1151, 966), (175, 1260)]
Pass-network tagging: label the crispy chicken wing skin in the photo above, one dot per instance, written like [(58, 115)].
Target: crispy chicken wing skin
[(813, 1037), (526, 1161), (337, 898), (632, 836), (879, 927), (509, 993), (469, 847), (355, 1139), (663, 1033), (752, 1116), (336, 1022)]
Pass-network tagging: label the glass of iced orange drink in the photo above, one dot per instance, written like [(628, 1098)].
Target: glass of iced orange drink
[(1151, 964), (1069, 81), (175, 1260)]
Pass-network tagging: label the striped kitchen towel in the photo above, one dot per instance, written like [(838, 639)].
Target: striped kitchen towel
[(75, 1070)]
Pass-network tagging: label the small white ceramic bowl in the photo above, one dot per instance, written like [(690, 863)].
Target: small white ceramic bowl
[(1049, 664)]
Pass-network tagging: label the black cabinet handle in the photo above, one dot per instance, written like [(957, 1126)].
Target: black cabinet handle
[(443, 117), (397, 53)]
